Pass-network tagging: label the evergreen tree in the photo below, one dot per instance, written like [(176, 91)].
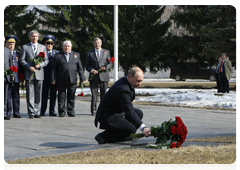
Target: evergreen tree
[(141, 36), (20, 22), (211, 30)]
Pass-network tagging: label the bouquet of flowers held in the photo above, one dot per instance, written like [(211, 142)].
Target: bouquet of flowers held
[(109, 60), (81, 94), (170, 134), (11, 71), (37, 61)]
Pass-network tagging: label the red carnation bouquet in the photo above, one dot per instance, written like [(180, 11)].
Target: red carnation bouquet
[(170, 134), (11, 71), (37, 61), (108, 61)]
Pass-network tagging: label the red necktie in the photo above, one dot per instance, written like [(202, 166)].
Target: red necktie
[(221, 66)]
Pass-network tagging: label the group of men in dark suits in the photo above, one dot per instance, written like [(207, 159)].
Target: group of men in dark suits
[(57, 72)]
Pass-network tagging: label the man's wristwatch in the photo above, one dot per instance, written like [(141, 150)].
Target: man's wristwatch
[(143, 128)]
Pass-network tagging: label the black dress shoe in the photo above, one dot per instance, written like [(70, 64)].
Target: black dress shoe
[(70, 115), (52, 114), (37, 116), (42, 114), (62, 115), (17, 116), (7, 117), (31, 117), (99, 139)]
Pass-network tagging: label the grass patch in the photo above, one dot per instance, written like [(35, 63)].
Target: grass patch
[(221, 154), (192, 157), (223, 139)]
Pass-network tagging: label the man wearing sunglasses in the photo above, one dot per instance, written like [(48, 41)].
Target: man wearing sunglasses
[(49, 90)]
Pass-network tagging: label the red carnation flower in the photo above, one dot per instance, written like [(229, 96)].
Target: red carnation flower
[(178, 119), (182, 136), (11, 68), (41, 54), (179, 130), (173, 145), (178, 124), (15, 69), (173, 130), (82, 94), (178, 145), (79, 94), (109, 60), (113, 60)]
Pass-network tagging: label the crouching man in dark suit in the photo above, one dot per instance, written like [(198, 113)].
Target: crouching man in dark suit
[(66, 66), (116, 113)]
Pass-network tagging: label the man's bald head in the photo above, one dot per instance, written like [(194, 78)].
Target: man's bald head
[(135, 76), (134, 70)]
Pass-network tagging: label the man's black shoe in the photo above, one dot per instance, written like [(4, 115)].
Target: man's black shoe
[(70, 115), (31, 117), (42, 114), (17, 116), (99, 139), (37, 116), (52, 114), (7, 117), (62, 115)]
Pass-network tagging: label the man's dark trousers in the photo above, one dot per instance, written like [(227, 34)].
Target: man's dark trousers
[(71, 90), (224, 85), (119, 127), (94, 90), (48, 87), (13, 99)]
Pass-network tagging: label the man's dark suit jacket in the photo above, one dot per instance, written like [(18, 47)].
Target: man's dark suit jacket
[(93, 63), (118, 99), (48, 68), (62, 69)]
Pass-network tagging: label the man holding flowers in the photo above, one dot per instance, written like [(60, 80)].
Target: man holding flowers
[(7, 78), (34, 74), (13, 103), (97, 64), (116, 113)]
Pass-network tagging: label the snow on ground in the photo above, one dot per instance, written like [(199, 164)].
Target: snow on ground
[(189, 97), (182, 97)]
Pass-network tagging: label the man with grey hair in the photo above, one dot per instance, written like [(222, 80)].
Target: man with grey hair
[(97, 63), (66, 65), (29, 52)]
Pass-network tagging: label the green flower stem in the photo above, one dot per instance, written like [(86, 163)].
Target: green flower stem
[(31, 78)]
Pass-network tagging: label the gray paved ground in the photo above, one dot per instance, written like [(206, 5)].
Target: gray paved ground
[(54, 135)]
